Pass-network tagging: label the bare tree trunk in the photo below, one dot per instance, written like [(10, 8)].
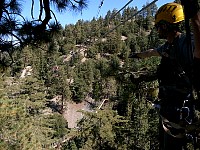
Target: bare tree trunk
[(47, 13)]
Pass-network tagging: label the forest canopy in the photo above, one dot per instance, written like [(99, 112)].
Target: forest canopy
[(45, 68)]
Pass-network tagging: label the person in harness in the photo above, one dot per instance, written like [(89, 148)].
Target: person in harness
[(178, 72)]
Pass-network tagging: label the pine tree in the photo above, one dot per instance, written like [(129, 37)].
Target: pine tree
[(101, 130), (26, 125)]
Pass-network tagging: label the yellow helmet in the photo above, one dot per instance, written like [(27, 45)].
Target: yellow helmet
[(170, 12)]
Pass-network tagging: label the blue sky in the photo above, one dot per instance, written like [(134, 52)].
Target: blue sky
[(91, 11)]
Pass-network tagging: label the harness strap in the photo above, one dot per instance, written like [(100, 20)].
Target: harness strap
[(171, 126)]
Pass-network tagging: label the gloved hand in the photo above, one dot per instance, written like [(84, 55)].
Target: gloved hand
[(133, 55), (191, 7)]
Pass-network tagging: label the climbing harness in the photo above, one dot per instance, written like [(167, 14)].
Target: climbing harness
[(185, 128)]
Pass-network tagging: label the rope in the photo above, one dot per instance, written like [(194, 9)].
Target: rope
[(101, 4)]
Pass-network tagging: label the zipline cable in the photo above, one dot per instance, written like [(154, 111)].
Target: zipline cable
[(120, 9), (104, 35), (130, 17), (114, 14)]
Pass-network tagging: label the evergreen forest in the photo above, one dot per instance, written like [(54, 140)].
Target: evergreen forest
[(86, 62)]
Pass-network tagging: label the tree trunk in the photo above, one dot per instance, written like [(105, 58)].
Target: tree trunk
[(1, 8)]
